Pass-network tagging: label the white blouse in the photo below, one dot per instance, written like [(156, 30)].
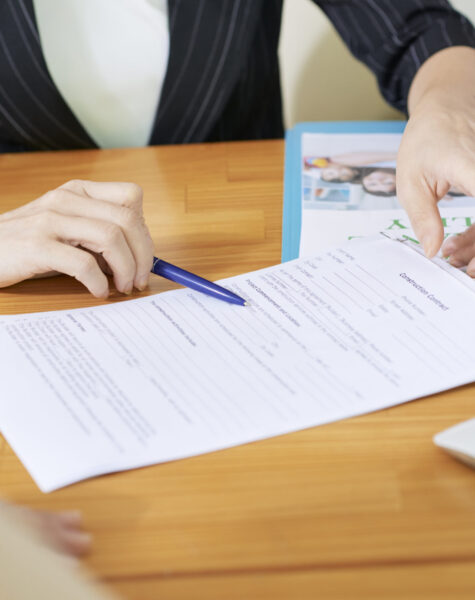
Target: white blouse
[(108, 59)]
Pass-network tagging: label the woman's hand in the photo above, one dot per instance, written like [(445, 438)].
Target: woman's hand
[(460, 250), (438, 147), (73, 229)]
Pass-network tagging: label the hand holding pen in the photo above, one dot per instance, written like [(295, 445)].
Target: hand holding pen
[(82, 229)]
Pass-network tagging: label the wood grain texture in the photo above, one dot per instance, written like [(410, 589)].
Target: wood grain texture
[(406, 582), (365, 508)]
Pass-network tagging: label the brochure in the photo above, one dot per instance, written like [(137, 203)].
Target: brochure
[(340, 184)]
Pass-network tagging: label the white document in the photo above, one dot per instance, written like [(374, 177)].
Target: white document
[(355, 329)]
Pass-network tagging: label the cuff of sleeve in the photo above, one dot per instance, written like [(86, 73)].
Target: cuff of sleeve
[(446, 32)]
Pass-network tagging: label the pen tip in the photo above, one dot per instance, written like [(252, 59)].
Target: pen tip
[(246, 303)]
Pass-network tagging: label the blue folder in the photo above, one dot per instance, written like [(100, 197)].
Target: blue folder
[(292, 214)]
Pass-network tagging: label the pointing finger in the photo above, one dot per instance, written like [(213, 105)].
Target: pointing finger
[(420, 203)]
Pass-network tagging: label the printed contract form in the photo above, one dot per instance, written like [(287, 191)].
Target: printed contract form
[(357, 328)]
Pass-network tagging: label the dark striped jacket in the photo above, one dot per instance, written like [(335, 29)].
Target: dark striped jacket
[(222, 81)]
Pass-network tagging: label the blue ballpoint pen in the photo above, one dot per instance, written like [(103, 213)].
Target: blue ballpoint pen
[(165, 269)]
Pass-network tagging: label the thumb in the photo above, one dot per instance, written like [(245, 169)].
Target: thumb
[(420, 203)]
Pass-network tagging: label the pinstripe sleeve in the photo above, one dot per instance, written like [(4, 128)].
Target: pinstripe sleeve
[(393, 38)]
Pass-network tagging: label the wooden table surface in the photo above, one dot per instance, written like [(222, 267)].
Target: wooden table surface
[(366, 508)]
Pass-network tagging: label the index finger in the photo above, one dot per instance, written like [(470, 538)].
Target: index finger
[(420, 203), (119, 192)]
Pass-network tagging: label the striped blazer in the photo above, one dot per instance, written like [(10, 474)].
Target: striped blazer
[(222, 79)]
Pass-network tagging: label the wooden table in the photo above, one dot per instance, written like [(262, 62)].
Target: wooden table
[(367, 508)]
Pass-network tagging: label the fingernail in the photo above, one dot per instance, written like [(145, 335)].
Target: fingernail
[(128, 290), (455, 262), (426, 243), (430, 244), (142, 283)]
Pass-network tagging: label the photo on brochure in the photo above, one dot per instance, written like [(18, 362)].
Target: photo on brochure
[(356, 172)]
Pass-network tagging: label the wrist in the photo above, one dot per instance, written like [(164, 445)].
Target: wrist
[(445, 80)]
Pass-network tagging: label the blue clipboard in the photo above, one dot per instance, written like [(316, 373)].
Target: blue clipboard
[(292, 213)]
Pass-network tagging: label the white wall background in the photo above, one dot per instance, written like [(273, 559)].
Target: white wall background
[(320, 79)]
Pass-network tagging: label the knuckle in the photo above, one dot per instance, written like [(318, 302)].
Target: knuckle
[(72, 184), (134, 196), (50, 198), (111, 234), (418, 215), (46, 218), (127, 217)]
